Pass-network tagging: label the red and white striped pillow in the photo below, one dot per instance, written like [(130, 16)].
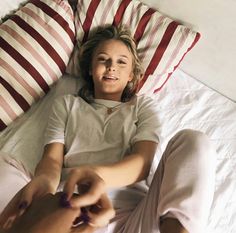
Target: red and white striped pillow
[(35, 46), (161, 41)]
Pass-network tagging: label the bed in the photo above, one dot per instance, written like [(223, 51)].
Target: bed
[(184, 102)]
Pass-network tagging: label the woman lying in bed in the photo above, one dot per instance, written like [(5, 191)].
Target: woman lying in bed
[(106, 137)]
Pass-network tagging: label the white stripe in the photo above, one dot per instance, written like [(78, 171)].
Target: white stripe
[(15, 85), (135, 21), (4, 116), (82, 9), (107, 12), (27, 77), (10, 100), (48, 20)]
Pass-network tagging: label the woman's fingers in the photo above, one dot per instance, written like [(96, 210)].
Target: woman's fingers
[(92, 198), (83, 228), (102, 213), (89, 184)]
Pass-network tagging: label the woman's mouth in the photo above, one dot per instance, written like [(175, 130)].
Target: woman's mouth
[(110, 78)]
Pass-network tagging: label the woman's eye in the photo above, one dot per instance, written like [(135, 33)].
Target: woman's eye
[(121, 62), (101, 59)]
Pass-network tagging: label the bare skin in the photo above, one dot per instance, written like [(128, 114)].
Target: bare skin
[(171, 225), (45, 215)]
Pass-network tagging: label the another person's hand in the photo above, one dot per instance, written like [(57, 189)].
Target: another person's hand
[(46, 215), (37, 188), (92, 198)]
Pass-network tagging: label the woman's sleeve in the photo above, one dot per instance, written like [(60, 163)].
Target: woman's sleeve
[(148, 125), (55, 130)]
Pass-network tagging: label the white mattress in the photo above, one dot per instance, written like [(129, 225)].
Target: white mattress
[(183, 103)]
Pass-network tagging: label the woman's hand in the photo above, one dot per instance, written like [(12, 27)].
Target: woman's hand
[(37, 188), (97, 209), (46, 180)]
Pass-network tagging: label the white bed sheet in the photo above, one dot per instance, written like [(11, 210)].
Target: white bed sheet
[(183, 103)]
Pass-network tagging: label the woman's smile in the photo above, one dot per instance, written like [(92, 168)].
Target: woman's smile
[(110, 78)]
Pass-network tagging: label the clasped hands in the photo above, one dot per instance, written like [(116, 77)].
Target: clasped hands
[(36, 209)]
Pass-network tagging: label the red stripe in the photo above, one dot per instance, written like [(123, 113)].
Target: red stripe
[(41, 40), (197, 37), (142, 24), (120, 12), (57, 17), (159, 88), (2, 125), (160, 51), (89, 17), (15, 95), (25, 64), (7, 108)]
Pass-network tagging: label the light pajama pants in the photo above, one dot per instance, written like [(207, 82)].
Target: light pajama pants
[(182, 188)]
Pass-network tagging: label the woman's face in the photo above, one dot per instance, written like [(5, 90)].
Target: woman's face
[(112, 66)]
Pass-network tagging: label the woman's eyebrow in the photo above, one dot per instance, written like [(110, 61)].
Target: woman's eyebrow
[(120, 55), (102, 53), (124, 56)]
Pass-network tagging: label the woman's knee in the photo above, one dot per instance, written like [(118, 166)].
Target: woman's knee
[(195, 137), (189, 143)]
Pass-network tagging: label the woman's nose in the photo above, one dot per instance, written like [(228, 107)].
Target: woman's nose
[(110, 66)]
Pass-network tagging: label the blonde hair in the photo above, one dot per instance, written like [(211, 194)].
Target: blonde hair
[(85, 57)]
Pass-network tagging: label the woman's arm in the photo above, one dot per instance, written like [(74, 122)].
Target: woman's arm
[(133, 168), (51, 163)]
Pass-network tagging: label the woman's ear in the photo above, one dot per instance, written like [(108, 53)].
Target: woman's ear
[(131, 76)]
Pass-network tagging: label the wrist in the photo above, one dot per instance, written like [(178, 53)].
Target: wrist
[(102, 172), (51, 182), (97, 170)]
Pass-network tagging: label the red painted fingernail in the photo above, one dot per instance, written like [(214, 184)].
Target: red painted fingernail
[(65, 204), (63, 201), (23, 205), (85, 218), (64, 196)]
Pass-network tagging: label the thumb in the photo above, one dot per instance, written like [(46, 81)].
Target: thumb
[(26, 197), (74, 177), (14, 208)]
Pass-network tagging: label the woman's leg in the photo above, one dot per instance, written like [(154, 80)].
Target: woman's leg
[(12, 178), (181, 191)]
